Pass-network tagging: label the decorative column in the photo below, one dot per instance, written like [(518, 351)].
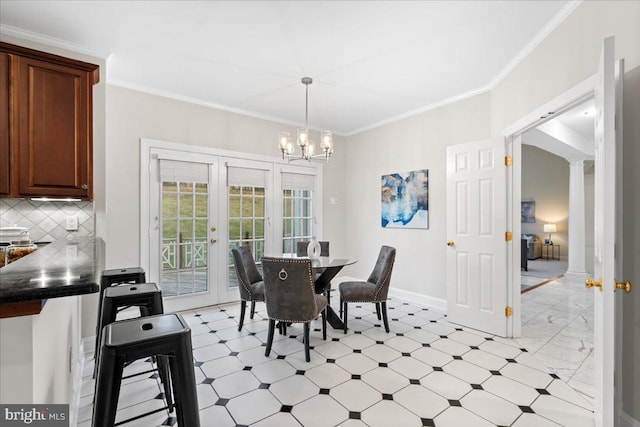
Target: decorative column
[(577, 241)]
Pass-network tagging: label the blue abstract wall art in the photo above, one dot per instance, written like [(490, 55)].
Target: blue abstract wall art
[(405, 199)]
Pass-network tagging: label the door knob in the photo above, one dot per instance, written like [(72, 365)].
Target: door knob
[(213, 240), (626, 286), (590, 283), (213, 228), (450, 243)]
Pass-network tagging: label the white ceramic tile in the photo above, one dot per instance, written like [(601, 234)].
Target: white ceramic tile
[(484, 360), (526, 375), (215, 416), (403, 344), (381, 353), (432, 357), (294, 389), (357, 363), (333, 349), (563, 412), (253, 406), (456, 416), (410, 367), (467, 338), (466, 371), (298, 360), (388, 413), (281, 419), (356, 395), (235, 384), (320, 411), (285, 347), (533, 420), (421, 401), (500, 349), (422, 336), (206, 395), (491, 407), (210, 352), (357, 341), (560, 389), (220, 367), (385, 380), (445, 385), (511, 390), (328, 375), (203, 339), (253, 357), (243, 343), (272, 371)]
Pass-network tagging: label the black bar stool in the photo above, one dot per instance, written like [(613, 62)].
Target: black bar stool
[(146, 296), (128, 340), (112, 277)]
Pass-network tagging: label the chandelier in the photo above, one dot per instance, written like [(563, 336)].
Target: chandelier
[(307, 150)]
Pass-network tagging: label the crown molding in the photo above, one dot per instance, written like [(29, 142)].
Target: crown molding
[(198, 101), (51, 41)]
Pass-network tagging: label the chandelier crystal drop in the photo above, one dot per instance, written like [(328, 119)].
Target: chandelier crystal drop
[(303, 139)]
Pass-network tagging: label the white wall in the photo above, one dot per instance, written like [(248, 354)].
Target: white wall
[(545, 179), (418, 142), (566, 57), (39, 354)]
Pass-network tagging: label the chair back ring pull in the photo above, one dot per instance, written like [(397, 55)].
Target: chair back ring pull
[(283, 274)]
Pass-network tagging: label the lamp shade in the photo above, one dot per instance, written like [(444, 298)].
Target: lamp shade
[(549, 228)]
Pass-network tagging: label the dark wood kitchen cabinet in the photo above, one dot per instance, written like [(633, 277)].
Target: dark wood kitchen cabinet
[(46, 142)]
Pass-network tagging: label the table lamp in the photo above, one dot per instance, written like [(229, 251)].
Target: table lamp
[(549, 228)]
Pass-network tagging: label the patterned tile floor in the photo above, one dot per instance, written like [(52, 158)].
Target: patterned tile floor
[(425, 372)]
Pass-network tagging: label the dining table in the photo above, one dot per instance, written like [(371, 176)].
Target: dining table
[(325, 269)]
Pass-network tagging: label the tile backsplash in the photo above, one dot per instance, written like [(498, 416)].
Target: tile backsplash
[(46, 221)]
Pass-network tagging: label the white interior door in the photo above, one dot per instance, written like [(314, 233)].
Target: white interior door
[(605, 234), (476, 226)]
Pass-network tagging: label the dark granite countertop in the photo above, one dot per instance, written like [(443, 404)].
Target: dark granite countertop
[(59, 269)]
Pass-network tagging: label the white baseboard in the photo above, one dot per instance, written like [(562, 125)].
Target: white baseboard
[(627, 420), (437, 304), (89, 344), (76, 391)]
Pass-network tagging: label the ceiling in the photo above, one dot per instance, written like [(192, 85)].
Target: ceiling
[(372, 61)]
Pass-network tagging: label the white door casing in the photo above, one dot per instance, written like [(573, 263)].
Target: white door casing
[(605, 235), (476, 222)]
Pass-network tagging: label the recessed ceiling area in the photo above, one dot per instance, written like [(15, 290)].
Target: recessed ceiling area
[(371, 61)]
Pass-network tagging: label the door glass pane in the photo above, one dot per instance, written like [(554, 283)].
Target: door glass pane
[(297, 221), (246, 224), (184, 247)]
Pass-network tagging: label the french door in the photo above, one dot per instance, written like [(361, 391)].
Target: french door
[(184, 251)]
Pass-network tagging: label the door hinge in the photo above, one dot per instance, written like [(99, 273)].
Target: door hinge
[(508, 236), (508, 160), (508, 311)]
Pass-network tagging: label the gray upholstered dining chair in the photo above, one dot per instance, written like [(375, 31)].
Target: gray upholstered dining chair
[(374, 290), (250, 281), (290, 296)]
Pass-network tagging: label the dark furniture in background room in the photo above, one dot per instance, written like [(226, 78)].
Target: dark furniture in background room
[(524, 261)]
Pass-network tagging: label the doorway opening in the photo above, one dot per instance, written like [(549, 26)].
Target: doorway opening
[(557, 188)]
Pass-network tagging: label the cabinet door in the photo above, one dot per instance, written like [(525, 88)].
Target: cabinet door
[(5, 171), (54, 152)]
